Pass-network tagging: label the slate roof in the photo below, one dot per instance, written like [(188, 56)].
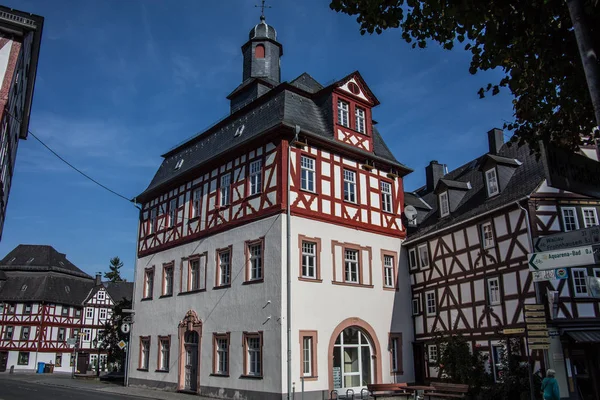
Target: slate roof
[(303, 103), (27, 257), (119, 290), (526, 180), (266, 81), (456, 184), (50, 287)]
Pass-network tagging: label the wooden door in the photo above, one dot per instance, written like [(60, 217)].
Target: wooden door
[(83, 363), (419, 358), (3, 360)]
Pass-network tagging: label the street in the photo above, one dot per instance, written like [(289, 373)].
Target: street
[(11, 389)]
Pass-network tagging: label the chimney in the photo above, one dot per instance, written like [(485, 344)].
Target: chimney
[(495, 140), (433, 172), (98, 278)]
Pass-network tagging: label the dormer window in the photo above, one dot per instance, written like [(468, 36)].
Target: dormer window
[(491, 179), (343, 118), (179, 164), (360, 119), (444, 205)]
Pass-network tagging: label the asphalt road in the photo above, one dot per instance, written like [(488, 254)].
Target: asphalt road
[(20, 390)]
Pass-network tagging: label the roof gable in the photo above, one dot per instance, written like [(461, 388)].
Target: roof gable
[(355, 86)]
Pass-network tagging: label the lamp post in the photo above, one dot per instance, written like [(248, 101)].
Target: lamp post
[(97, 346)]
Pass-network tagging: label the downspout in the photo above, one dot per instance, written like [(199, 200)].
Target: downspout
[(289, 267), (128, 347)]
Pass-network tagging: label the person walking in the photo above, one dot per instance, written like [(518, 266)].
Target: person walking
[(550, 386)]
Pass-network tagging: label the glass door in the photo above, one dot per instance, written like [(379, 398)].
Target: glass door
[(352, 363)]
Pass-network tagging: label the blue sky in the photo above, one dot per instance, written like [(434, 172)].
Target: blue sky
[(121, 82)]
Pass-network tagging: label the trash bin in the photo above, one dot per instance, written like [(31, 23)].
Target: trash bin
[(40, 368), (46, 368)]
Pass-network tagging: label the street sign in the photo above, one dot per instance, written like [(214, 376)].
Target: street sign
[(538, 340), (537, 327), (125, 328), (72, 341), (128, 320), (539, 347), (128, 311), (537, 333), (550, 274), (577, 256), (534, 314), (535, 320), (513, 331), (565, 240), (122, 344), (533, 307)]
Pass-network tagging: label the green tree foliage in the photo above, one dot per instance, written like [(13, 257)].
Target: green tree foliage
[(111, 334), (532, 42), (114, 273)]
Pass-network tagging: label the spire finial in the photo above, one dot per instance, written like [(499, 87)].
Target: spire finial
[(262, 10)]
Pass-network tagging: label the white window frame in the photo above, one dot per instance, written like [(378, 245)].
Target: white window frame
[(307, 174), (255, 179), (416, 306), (426, 264), (87, 334), (222, 345), (9, 332), (343, 113), (388, 271), (61, 335), (195, 275), (164, 354), (351, 266), (594, 216), (172, 212), (103, 314), (432, 353), (350, 185), (25, 332), (493, 290), (254, 367), (431, 302), (153, 216), (307, 355), (564, 218), (360, 119), (394, 345), (168, 284), (255, 261), (574, 278), (196, 202), (225, 267), (148, 283), (386, 197), (145, 361), (413, 260), (444, 204), (491, 182), (309, 259), (487, 238), (101, 295), (89, 312), (225, 190)]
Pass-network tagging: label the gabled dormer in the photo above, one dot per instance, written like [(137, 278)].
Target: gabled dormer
[(497, 172), (352, 101), (449, 194)]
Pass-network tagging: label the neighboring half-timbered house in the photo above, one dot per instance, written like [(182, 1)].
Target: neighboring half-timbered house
[(467, 255), (211, 280)]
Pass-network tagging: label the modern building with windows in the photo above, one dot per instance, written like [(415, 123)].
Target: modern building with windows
[(467, 256), (20, 38), (211, 277)]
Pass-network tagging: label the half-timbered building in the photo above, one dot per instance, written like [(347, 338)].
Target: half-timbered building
[(211, 276), (467, 255)]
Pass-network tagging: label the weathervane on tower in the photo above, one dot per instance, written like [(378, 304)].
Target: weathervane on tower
[(262, 11)]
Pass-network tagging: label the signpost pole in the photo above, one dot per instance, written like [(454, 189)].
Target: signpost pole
[(530, 373)]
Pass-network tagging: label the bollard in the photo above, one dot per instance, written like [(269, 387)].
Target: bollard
[(12, 369), (302, 379)]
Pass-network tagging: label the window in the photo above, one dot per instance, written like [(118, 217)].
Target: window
[(221, 354), (388, 271), (255, 177), (309, 260), (167, 280), (590, 217), (27, 309), (75, 333), (87, 335), (77, 312), (497, 353), (416, 306), (224, 267), (307, 174), (64, 311), (89, 312), (172, 212), (253, 354), (144, 352), (597, 272), (178, 165), (487, 235), (412, 259), (196, 203), (148, 283), (58, 360), (152, 227), (431, 306), (195, 275), (579, 281), (164, 345), (101, 295), (61, 335), (444, 206), (432, 352), (23, 358), (25, 333), (255, 261), (8, 332), (351, 266), (72, 360), (259, 51), (225, 190), (10, 308), (343, 113), (103, 313), (396, 352), (350, 186), (423, 256), (569, 216), (491, 180), (386, 197), (360, 119), (308, 354), (493, 286)]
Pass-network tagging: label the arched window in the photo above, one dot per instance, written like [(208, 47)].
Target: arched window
[(259, 51), (352, 361)]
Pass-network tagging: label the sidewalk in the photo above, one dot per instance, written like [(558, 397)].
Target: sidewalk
[(65, 380)]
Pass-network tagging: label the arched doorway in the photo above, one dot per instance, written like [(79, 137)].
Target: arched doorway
[(190, 337), (354, 356)]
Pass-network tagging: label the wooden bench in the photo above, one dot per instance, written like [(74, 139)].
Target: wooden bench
[(447, 390), (378, 390)]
